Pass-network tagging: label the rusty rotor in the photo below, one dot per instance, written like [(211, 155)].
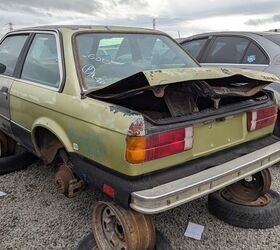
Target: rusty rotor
[(251, 191), (63, 177)]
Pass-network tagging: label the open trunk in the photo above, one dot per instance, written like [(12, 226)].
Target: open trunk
[(164, 100)]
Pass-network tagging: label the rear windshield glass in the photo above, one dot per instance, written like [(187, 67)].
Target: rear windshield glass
[(274, 38), (107, 58)]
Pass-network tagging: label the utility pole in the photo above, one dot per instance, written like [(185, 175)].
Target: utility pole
[(154, 23), (10, 26), (179, 35)]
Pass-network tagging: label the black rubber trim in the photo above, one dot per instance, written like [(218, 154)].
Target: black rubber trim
[(16, 162), (96, 175)]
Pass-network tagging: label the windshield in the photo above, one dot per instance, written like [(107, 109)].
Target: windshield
[(107, 58)]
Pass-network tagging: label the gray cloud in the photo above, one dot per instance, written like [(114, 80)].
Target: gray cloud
[(33, 6), (261, 21), (171, 15)]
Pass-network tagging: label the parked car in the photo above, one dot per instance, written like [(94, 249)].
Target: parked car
[(128, 112), (248, 50)]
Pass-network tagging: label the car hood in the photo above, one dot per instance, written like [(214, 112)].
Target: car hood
[(153, 78)]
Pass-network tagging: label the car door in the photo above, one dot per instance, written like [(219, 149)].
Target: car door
[(34, 93), (10, 49), (235, 51)]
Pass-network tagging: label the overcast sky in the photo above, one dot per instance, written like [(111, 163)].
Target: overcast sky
[(185, 16)]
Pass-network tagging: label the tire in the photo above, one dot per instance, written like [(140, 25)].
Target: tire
[(245, 216), (16, 162), (7, 145), (89, 243)]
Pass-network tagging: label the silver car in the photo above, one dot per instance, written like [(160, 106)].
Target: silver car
[(251, 50)]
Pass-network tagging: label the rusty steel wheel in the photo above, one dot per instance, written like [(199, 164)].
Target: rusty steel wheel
[(251, 191), (116, 228)]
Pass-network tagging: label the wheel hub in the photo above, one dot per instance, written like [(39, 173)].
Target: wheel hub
[(251, 191), (67, 183)]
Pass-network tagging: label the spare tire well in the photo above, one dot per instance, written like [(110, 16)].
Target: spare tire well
[(47, 143)]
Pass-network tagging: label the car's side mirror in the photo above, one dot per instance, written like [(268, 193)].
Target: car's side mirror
[(2, 68)]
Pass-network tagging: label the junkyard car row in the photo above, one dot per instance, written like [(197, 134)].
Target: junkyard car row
[(128, 112)]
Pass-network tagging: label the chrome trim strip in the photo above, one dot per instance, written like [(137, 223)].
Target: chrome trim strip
[(21, 126), (178, 192), (5, 117)]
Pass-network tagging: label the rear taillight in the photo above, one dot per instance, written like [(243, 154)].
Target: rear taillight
[(261, 118), (146, 148)]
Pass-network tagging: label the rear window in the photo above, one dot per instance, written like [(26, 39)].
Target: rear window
[(106, 58), (274, 38)]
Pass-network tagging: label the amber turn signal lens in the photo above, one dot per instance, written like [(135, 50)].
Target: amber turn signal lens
[(136, 149)]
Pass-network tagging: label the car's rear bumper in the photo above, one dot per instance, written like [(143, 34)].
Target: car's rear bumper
[(180, 191)]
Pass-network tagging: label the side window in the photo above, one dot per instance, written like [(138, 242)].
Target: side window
[(10, 49), (254, 55), (194, 47), (41, 64), (227, 50)]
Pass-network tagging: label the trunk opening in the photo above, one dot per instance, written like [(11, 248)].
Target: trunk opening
[(184, 100)]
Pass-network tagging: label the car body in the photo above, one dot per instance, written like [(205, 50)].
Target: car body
[(111, 98)]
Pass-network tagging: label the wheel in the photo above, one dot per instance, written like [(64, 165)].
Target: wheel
[(116, 228), (7, 145), (87, 243), (244, 216)]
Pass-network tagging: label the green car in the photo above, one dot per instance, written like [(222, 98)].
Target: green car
[(129, 112)]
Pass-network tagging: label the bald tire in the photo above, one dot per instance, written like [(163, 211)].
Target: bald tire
[(245, 216)]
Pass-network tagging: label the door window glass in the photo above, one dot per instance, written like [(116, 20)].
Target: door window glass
[(10, 49), (227, 50), (41, 64), (194, 47)]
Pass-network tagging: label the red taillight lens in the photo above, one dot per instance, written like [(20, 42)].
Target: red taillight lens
[(261, 118), (145, 148)]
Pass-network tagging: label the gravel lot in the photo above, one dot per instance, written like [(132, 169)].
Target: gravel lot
[(35, 216)]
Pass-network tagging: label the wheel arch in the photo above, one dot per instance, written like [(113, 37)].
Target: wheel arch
[(48, 137)]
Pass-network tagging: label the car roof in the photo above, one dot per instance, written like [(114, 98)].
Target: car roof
[(98, 28), (241, 33)]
